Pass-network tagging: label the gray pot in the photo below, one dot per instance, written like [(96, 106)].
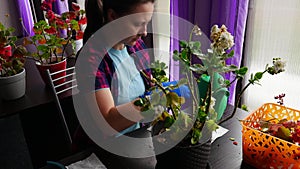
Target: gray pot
[(13, 87)]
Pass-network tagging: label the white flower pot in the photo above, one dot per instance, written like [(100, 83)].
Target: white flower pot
[(70, 52), (13, 87)]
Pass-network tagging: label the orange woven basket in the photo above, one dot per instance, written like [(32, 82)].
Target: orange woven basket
[(262, 150)]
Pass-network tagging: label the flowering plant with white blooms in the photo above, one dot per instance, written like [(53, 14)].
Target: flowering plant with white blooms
[(204, 116)]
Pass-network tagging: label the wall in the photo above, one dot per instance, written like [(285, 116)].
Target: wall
[(161, 29), (10, 7)]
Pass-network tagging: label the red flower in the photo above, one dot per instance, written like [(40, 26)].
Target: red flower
[(50, 15), (72, 15), (75, 6), (2, 51), (60, 23), (79, 35), (8, 52), (46, 6), (51, 30), (82, 21), (5, 52)]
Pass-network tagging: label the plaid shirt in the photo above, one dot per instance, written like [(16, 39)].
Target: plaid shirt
[(89, 72), (105, 74)]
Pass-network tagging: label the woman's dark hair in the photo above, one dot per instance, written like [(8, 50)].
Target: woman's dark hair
[(96, 12)]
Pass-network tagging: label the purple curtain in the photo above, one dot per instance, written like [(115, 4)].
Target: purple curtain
[(60, 6), (26, 15), (206, 13)]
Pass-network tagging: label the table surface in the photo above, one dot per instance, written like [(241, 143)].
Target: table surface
[(224, 153), (37, 93)]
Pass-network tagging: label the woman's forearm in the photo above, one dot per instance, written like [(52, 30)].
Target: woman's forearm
[(118, 117)]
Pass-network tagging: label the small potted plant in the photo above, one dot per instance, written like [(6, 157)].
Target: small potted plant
[(12, 71), (187, 131), (52, 37)]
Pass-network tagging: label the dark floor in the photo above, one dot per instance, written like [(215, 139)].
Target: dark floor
[(32, 137), (13, 148)]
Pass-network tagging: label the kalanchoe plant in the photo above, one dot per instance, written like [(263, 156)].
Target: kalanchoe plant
[(11, 56), (54, 35), (166, 105)]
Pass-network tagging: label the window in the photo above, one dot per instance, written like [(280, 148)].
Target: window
[(273, 31)]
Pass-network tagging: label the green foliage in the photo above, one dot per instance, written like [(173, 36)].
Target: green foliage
[(48, 40), (203, 113), (158, 71), (11, 56), (6, 37)]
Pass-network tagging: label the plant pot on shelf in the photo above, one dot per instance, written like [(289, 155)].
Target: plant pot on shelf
[(53, 67), (13, 87)]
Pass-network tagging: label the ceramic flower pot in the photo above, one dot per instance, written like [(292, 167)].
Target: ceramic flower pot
[(13, 87), (187, 157), (42, 68)]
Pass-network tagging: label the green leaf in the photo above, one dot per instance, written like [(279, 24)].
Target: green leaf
[(211, 125), (168, 121), (183, 43), (184, 55), (242, 71), (258, 76), (176, 55), (227, 82), (244, 107), (196, 135), (197, 52), (231, 54), (173, 99), (195, 45), (198, 68)]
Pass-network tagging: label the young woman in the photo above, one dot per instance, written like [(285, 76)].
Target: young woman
[(118, 82), (113, 100)]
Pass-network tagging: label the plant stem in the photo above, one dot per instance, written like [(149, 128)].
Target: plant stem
[(237, 101), (64, 48), (163, 89), (195, 100)]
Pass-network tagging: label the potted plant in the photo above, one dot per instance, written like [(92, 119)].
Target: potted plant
[(52, 37), (187, 131), (12, 71)]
